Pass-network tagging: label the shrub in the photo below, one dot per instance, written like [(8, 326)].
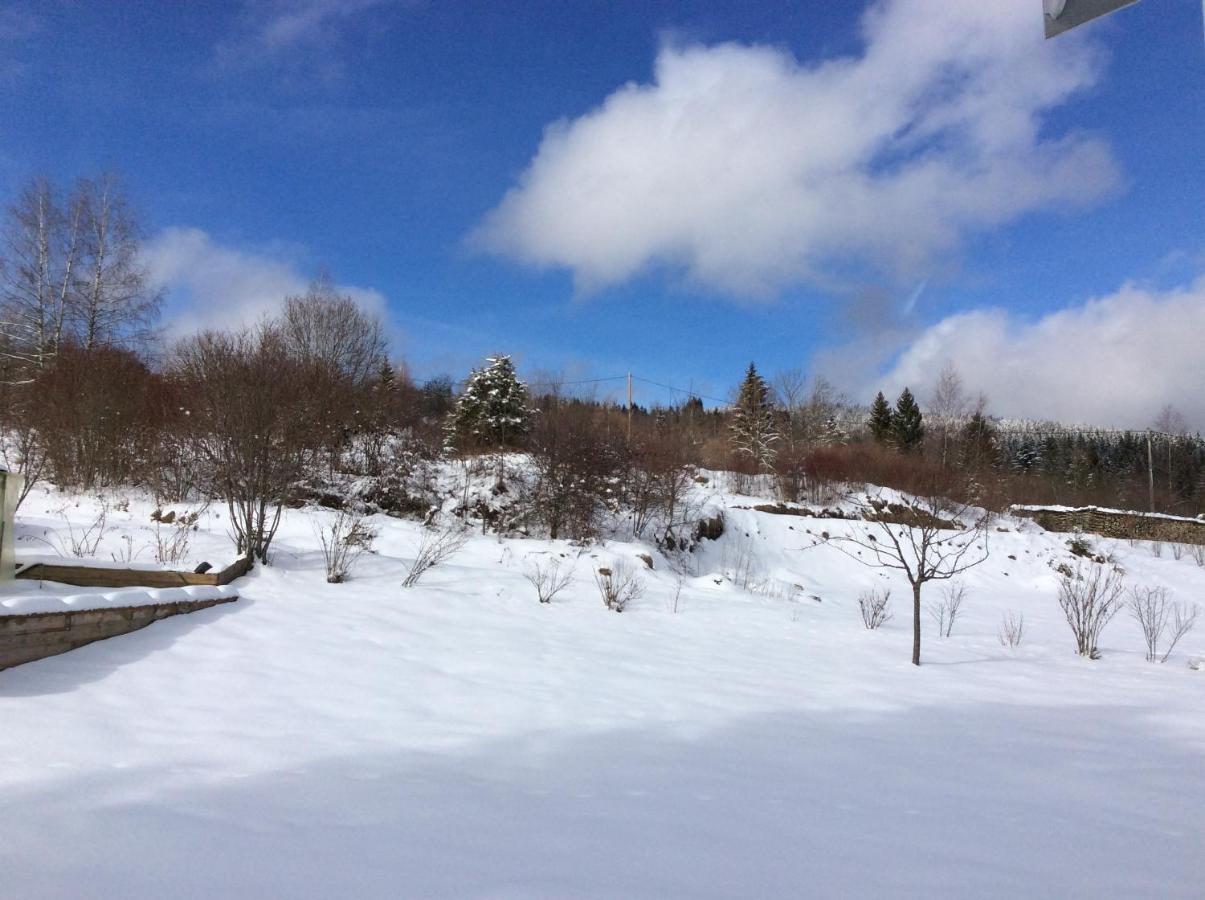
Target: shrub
[(1012, 630), (946, 612), (436, 546), (344, 541), (619, 585), (548, 579), (873, 605), (1158, 616), (1089, 602)]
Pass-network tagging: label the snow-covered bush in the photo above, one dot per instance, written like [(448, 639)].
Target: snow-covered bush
[(1090, 599), (343, 542), (619, 585), (872, 605)]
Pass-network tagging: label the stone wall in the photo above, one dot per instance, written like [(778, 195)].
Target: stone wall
[(26, 638), (1117, 524)]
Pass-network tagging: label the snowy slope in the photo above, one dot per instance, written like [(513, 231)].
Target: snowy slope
[(458, 739)]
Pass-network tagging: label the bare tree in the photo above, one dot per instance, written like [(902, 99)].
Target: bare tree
[(926, 536), (947, 408), (326, 327), (1090, 598), (114, 304), (38, 258), (251, 424), (1158, 616)]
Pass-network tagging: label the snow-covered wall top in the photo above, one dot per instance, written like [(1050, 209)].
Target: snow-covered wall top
[(26, 597)]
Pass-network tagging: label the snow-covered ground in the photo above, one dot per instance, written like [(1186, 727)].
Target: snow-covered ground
[(458, 739)]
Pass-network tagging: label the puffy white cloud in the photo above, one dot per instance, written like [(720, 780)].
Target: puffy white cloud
[(1114, 360), (750, 170), (210, 285)]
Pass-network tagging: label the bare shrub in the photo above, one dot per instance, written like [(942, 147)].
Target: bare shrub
[(945, 613), (1012, 630), (674, 604), (873, 605), (1157, 548), (1159, 617), (1177, 551), (344, 541), (436, 546), (1089, 600), (172, 540), (84, 542), (619, 585), (548, 579), (127, 553), (740, 563), (1198, 554)]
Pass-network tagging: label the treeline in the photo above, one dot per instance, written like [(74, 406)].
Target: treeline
[(259, 417)]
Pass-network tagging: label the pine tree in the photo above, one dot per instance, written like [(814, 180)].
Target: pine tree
[(754, 431), (978, 442), (907, 425), (494, 412), (881, 420)]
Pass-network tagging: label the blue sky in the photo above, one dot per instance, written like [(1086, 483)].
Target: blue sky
[(262, 140)]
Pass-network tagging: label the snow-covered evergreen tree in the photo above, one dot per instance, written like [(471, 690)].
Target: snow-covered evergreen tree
[(754, 425), (494, 412)]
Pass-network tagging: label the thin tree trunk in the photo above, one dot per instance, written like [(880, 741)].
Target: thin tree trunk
[(916, 624)]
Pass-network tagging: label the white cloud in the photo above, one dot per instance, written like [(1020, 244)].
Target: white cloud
[(299, 38), (209, 285), (749, 170), (1114, 360)]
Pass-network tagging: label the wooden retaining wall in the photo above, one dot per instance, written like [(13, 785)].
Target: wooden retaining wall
[(1117, 524), (38, 635), (97, 576)]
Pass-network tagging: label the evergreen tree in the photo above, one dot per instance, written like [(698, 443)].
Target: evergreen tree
[(881, 420), (907, 425), (494, 412), (978, 442), (754, 429)]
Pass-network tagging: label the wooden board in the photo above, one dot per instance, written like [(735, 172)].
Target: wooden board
[(97, 576)]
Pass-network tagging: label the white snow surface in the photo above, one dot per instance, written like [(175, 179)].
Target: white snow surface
[(458, 739), (20, 598)]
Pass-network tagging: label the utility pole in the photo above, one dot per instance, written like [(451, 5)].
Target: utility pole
[(629, 409), (1150, 468)]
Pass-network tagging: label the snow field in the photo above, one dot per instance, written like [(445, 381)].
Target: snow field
[(458, 739)]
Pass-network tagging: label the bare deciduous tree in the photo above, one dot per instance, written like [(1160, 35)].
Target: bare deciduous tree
[(325, 327), (38, 259), (942, 538), (247, 402), (1090, 598), (114, 304)]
